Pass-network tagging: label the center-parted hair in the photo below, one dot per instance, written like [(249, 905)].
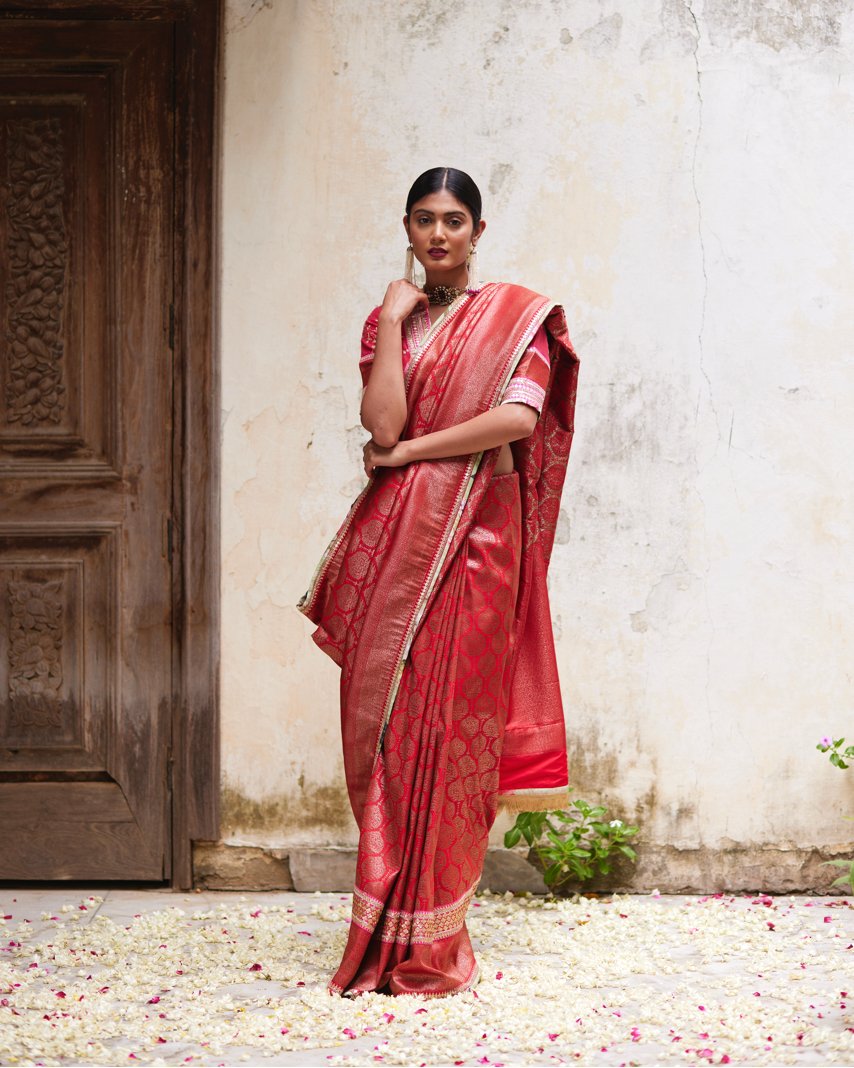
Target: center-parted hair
[(456, 182)]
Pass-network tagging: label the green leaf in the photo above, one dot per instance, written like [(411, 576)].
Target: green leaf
[(512, 837), (551, 873)]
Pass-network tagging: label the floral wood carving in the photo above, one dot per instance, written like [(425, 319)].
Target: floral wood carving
[(35, 654), (37, 248)]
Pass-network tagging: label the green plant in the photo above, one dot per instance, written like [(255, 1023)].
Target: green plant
[(838, 755), (574, 844), (838, 758), (848, 877)]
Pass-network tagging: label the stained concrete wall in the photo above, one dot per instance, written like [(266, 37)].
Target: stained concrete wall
[(681, 177)]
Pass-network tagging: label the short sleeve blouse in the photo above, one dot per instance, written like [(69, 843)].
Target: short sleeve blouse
[(527, 385)]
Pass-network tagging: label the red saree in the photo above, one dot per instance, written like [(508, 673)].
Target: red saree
[(432, 600)]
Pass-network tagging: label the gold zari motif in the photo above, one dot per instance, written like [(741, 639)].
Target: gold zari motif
[(410, 927)]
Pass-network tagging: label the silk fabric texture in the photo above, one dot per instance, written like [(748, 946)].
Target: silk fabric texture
[(380, 595)]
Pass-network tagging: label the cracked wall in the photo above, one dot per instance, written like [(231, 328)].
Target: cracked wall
[(676, 173)]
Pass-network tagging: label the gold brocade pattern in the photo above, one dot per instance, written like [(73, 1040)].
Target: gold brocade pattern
[(410, 927)]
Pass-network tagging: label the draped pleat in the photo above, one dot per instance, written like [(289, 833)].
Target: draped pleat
[(432, 796)]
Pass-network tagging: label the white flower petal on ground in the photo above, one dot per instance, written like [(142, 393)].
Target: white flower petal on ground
[(716, 979)]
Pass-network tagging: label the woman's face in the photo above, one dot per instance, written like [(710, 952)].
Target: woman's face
[(441, 231)]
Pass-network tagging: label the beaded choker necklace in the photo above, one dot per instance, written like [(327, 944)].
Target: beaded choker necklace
[(442, 294)]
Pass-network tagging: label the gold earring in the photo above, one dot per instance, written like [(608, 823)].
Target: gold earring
[(409, 265), (471, 265)]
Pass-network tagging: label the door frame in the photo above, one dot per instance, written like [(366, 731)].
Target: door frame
[(193, 769)]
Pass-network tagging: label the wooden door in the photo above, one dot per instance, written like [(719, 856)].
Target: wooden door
[(86, 442)]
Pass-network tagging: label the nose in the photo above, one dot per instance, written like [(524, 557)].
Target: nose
[(437, 237)]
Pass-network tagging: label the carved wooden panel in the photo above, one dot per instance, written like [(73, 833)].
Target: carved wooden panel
[(58, 393), (37, 250), (57, 646), (36, 631)]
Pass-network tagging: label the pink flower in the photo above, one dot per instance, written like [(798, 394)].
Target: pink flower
[(388, 1017), (154, 1000), (255, 967), (349, 1032)]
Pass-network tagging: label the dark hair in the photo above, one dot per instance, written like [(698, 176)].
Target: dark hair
[(456, 182)]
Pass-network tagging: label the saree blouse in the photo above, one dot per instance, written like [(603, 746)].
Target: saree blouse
[(526, 386)]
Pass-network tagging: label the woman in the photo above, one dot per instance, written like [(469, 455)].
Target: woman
[(432, 596)]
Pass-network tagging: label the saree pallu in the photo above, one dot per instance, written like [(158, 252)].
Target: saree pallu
[(391, 599)]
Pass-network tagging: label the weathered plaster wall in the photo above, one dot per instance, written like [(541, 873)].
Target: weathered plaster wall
[(681, 176)]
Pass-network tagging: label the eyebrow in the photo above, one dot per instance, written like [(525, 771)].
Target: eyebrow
[(447, 214)]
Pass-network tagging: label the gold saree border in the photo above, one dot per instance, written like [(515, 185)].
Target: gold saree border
[(410, 928), (550, 799)]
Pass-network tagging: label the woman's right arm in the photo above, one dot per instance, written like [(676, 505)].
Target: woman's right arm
[(383, 411)]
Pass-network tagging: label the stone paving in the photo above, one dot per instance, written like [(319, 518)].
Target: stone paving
[(125, 977)]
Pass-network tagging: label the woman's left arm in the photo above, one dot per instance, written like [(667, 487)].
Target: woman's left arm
[(502, 424)]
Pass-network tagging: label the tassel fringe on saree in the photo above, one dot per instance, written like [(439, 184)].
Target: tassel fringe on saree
[(432, 600)]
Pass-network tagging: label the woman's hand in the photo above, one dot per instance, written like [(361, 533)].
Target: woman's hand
[(401, 298), (383, 408), (374, 455)]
